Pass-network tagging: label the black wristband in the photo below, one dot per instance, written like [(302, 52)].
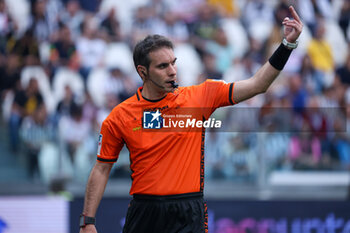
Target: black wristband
[(280, 57), (85, 220)]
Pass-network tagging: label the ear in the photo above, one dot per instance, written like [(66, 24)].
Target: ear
[(142, 71)]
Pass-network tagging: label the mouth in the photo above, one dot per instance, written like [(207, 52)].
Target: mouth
[(173, 84), (171, 81)]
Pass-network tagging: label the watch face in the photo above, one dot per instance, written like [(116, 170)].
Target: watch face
[(82, 221)]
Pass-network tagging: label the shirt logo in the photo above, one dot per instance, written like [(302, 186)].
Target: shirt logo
[(152, 120), (99, 144)]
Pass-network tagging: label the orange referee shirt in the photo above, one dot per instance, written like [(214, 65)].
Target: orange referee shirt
[(162, 162)]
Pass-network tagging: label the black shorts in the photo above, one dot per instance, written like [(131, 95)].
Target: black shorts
[(183, 213)]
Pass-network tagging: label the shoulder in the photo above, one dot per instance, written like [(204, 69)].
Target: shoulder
[(119, 111), (206, 83)]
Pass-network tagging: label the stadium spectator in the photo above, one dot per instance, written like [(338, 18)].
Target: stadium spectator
[(221, 49), (280, 12), (185, 9), (9, 74), (119, 84), (344, 18), (297, 93), (304, 150), (90, 47), (25, 103), (73, 17), (210, 68), (39, 22), (173, 27), (144, 23), (111, 26), (36, 130), (309, 76), (215, 160), (63, 50), (65, 105), (343, 72), (341, 139), (310, 10), (256, 9), (320, 52), (27, 49), (203, 28), (226, 8), (74, 130), (7, 25), (241, 162)]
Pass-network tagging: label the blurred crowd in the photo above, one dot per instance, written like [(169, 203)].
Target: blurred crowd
[(64, 64)]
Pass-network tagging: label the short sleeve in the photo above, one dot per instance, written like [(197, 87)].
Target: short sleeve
[(217, 93), (109, 144)]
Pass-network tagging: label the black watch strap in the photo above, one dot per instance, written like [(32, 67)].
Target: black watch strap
[(86, 220)]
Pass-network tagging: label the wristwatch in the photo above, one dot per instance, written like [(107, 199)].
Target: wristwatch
[(85, 220), (290, 45)]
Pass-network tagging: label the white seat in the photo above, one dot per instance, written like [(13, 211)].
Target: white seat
[(95, 85), (260, 29), (45, 51), (236, 35), (119, 55), (65, 77), (189, 65), (20, 11), (7, 105), (39, 74), (335, 37), (54, 162)]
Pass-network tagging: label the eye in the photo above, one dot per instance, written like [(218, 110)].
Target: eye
[(163, 66)]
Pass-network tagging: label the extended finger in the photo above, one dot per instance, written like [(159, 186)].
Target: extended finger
[(294, 14)]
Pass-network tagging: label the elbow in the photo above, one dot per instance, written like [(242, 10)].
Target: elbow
[(261, 89), (259, 86)]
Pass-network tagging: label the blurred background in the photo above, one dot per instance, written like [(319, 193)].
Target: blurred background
[(64, 65)]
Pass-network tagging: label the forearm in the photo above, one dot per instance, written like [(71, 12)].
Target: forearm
[(257, 84), (265, 76), (95, 187), (271, 69), (262, 80)]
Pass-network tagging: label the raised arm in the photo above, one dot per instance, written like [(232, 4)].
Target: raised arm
[(94, 191), (261, 81)]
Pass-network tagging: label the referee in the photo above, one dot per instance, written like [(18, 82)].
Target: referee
[(168, 167)]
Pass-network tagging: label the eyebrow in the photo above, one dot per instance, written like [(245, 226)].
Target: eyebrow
[(166, 63)]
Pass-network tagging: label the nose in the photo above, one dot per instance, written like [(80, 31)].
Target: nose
[(172, 70)]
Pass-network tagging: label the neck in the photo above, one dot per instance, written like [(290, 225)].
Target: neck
[(152, 92)]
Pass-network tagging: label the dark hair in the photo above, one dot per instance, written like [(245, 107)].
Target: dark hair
[(147, 45)]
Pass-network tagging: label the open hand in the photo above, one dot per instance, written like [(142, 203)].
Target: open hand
[(292, 27)]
